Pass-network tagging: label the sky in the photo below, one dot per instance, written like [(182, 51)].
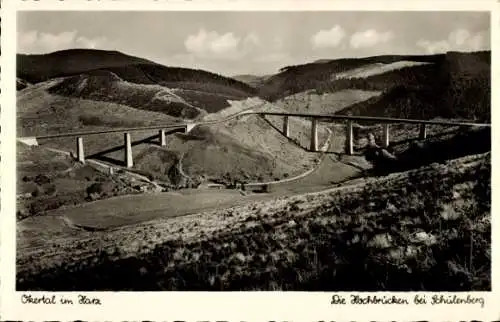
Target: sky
[(258, 43)]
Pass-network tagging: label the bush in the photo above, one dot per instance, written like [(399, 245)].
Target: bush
[(47, 203), (91, 120), (101, 188), (37, 192), (49, 189), (42, 179)]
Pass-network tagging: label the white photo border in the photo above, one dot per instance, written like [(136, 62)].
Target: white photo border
[(219, 306)]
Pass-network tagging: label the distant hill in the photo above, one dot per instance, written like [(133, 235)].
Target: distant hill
[(446, 85), (252, 80), (39, 68), (298, 78), (457, 87)]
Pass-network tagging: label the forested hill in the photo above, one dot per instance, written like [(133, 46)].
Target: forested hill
[(457, 87), (451, 85), (39, 68), (321, 74)]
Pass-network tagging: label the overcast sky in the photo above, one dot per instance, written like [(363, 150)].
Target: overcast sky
[(233, 43)]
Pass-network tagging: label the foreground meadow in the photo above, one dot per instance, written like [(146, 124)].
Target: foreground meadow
[(425, 229)]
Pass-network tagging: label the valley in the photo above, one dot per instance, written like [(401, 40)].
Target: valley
[(206, 194)]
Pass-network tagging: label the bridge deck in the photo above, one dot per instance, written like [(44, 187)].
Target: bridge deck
[(303, 115), (376, 119), (117, 130)]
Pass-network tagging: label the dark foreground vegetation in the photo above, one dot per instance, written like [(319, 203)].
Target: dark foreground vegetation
[(435, 149), (428, 229)]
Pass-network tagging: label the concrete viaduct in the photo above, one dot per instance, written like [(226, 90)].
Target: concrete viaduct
[(163, 130)]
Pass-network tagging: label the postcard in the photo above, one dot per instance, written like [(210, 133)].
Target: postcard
[(248, 160)]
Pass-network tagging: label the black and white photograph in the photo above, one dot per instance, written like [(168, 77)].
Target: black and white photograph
[(314, 151)]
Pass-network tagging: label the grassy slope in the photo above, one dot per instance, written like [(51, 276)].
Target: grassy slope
[(413, 232), (299, 128), (202, 89), (119, 211), (40, 112), (314, 102), (108, 87), (247, 149), (375, 69)]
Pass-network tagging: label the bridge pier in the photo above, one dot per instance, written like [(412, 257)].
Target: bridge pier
[(163, 138), (314, 134), (286, 126), (423, 132), (129, 161), (386, 138), (349, 144), (80, 155)]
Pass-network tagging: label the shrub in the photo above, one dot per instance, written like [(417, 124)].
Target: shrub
[(46, 203), (49, 189), (91, 120), (101, 188), (37, 192), (42, 179)]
